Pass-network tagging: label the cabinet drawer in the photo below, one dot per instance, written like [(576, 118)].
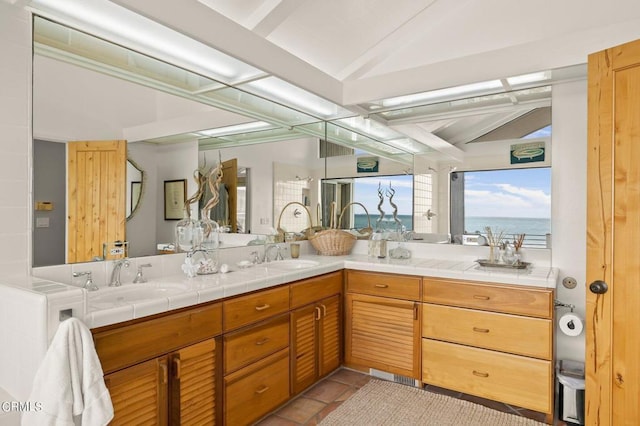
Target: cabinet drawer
[(530, 301), (126, 345), (386, 285), (503, 332), (256, 390), (512, 379), (314, 289), (255, 307), (245, 346)]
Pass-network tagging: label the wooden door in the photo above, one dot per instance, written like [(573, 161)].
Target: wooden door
[(230, 180), (383, 333), (330, 336), (96, 191), (193, 384), (304, 347), (139, 393), (613, 232)]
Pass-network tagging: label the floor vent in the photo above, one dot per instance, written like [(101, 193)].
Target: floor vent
[(394, 378)]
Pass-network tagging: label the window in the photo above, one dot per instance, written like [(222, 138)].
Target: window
[(513, 201), (365, 191)]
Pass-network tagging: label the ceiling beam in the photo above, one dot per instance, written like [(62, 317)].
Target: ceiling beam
[(430, 140), (270, 15), (430, 15)]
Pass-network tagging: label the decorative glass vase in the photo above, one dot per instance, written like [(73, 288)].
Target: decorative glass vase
[(208, 232), (186, 234), (492, 253)]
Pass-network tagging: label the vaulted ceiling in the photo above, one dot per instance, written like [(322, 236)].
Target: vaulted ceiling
[(405, 46)]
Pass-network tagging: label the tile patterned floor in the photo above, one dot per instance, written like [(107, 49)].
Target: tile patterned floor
[(313, 405)]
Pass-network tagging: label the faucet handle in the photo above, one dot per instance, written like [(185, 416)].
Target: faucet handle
[(89, 284), (255, 258), (139, 277)]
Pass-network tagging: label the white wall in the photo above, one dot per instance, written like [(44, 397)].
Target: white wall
[(173, 162), (15, 145), (569, 203), (15, 187)]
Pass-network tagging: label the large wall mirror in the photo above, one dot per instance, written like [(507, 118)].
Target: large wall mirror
[(281, 173)]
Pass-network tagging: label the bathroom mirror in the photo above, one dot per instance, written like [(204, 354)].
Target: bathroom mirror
[(76, 103)]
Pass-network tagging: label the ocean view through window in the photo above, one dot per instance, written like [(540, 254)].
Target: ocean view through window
[(514, 201)]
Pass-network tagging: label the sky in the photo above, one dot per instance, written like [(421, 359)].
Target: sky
[(508, 193)]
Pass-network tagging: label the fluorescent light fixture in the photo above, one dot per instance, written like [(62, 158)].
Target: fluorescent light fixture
[(467, 89), (238, 128), (368, 127), (529, 78), (116, 23), (279, 90)]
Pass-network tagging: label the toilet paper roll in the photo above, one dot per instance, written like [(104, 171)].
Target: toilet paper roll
[(571, 324)]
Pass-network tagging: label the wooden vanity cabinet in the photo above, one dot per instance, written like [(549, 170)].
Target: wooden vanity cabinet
[(316, 329), (490, 340), (164, 370), (382, 327), (256, 354)]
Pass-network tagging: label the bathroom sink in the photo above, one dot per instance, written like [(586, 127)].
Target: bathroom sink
[(131, 293), (293, 264)]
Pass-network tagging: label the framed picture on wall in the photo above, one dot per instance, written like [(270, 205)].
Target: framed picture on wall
[(175, 195)]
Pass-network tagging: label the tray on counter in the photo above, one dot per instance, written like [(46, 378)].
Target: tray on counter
[(518, 265)]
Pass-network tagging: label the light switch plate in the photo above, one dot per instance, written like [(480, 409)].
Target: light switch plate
[(42, 222)]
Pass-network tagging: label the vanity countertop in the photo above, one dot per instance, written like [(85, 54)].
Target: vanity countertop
[(104, 308)]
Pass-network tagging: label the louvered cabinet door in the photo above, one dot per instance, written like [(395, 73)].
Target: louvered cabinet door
[(383, 333), (193, 384), (139, 393), (304, 347), (330, 336)]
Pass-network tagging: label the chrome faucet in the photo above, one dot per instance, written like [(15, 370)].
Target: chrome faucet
[(115, 273), (139, 277), (278, 252), (88, 284)]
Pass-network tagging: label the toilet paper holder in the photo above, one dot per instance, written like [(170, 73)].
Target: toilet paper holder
[(559, 304)]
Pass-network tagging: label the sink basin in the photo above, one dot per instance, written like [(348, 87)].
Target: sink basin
[(293, 264), (132, 293)]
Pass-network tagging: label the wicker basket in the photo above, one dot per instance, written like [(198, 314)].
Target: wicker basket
[(305, 233), (364, 233), (333, 242)]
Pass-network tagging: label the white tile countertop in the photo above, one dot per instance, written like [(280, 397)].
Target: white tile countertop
[(205, 288), (168, 288)]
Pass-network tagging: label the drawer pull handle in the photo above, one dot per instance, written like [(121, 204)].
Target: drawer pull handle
[(481, 330), (381, 286), (177, 367), (262, 390), (263, 307), (262, 341), (480, 374), (477, 296), (318, 313)]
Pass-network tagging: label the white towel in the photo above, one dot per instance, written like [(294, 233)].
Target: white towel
[(69, 383)]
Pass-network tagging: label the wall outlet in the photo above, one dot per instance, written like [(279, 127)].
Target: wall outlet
[(264, 221)]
